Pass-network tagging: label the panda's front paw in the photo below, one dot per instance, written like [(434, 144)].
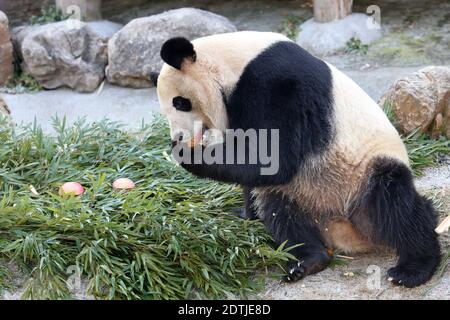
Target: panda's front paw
[(296, 271), (241, 213), (245, 214), (309, 264), (185, 155)]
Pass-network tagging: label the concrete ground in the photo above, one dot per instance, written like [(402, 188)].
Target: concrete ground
[(360, 279), (129, 106)]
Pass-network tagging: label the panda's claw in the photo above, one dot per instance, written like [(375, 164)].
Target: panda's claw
[(295, 273), (307, 264)]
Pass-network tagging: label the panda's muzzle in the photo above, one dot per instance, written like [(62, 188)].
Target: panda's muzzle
[(193, 141)]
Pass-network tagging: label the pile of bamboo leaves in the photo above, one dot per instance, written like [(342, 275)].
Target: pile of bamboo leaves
[(173, 236)]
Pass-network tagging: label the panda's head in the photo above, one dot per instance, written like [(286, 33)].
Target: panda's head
[(190, 91)]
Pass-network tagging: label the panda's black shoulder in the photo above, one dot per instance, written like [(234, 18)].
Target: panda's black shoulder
[(287, 88), (287, 57)]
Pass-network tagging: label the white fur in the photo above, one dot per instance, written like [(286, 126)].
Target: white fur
[(363, 131)]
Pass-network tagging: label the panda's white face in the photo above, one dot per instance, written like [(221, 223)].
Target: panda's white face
[(191, 99), (197, 76)]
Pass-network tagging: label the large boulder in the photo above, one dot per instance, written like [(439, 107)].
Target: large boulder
[(6, 52), (134, 51), (63, 54), (421, 101)]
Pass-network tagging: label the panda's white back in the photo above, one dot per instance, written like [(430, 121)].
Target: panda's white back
[(363, 131)]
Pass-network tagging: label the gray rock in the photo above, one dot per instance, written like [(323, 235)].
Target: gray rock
[(67, 53), (134, 51), (327, 38), (6, 53), (421, 101)]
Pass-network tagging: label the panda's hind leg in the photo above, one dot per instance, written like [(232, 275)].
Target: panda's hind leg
[(392, 213), (289, 223)]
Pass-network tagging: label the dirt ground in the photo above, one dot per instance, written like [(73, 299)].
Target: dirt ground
[(415, 33), (357, 280)]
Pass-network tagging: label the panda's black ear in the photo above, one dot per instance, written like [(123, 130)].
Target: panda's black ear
[(175, 50), (154, 78)]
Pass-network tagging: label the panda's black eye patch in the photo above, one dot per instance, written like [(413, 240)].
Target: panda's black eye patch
[(182, 104)]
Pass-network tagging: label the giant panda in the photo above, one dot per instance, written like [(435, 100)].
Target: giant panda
[(343, 180)]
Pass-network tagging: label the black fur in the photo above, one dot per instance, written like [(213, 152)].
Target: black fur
[(182, 104), (154, 78), (392, 213), (175, 50), (283, 88), (249, 208), (286, 221), (286, 88), (248, 212)]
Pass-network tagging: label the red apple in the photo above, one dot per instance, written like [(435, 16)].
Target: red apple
[(123, 184), (73, 188)]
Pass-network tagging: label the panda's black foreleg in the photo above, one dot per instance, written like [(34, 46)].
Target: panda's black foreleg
[(393, 213), (249, 208), (233, 165), (289, 223), (248, 211)]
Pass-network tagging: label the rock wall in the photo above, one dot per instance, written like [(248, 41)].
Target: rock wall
[(88, 10), (112, 7), (19, 11)]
